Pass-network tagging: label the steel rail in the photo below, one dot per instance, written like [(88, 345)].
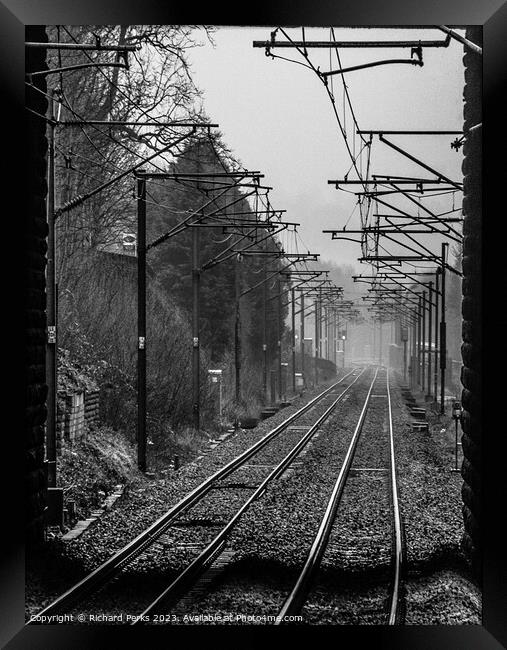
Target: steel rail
[(296, 599), (187, 578), (399, 546), (101, 574)]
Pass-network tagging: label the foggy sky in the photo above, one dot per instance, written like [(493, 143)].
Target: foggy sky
[(277, 118)]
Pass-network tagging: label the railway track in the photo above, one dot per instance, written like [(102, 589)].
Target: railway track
[(188, 578), (189, 592), (294, 603), (309, 418), (374, 415)]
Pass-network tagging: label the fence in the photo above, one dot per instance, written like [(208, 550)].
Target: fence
[(77, 413)]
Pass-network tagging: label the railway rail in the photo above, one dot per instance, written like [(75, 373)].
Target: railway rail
[(185, 592), (309, 574), (108, 570), (187, 578)]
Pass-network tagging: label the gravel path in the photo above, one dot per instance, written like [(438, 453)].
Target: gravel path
[(443, 598)]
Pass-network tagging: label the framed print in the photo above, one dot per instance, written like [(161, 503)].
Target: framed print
[(262, 321)]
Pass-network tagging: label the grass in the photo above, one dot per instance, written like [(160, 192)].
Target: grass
[(185, 443)]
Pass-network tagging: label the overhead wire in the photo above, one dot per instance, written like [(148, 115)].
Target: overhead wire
[(121, 144), (331, 96), (117, 88), (129, 99), (108, 135)]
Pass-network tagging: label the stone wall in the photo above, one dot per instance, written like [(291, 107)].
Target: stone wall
[(471, 349), (91, 408), (77, 414)]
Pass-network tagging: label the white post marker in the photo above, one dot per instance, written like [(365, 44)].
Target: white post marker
[(216, 378)]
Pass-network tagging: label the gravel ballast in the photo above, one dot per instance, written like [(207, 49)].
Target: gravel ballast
[(59, 565), (273, 538)]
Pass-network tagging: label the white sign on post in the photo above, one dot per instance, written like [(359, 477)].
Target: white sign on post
[(216, 378)]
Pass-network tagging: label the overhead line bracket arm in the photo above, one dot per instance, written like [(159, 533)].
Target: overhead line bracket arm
[(419, 162)]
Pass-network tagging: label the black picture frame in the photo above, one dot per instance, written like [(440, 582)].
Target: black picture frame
[(492, 15)]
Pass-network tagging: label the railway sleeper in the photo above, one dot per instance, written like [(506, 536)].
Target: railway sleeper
[(204, 584), (213, 523), (362, 471), (239, 486)]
